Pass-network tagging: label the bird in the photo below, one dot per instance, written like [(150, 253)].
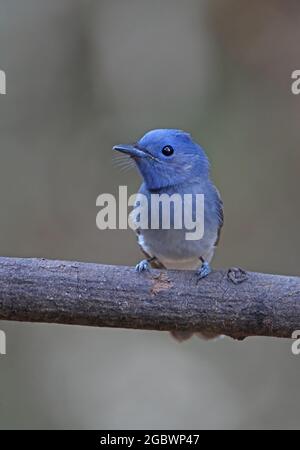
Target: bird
[(171, 162)]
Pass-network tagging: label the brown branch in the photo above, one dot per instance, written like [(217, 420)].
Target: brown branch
[(39, 290)]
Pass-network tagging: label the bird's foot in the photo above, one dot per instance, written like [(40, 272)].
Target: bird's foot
[(143, 266), (204, 270)]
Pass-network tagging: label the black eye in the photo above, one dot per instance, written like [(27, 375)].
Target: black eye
[(168, 150)]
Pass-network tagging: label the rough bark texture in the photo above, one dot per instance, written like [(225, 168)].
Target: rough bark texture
[(39, 290)]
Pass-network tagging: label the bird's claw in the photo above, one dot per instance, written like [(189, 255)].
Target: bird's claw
[(142, 266), (204, 270)]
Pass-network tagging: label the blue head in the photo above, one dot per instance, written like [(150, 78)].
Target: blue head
[(167, 158)]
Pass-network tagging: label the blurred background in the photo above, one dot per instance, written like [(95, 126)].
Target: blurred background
[(83, 75)]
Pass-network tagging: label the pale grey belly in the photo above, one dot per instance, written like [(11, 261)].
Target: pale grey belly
[(173, 250)]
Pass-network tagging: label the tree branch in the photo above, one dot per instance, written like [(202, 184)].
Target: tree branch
[(39, 290)]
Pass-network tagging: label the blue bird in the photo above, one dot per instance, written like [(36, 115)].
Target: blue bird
[(171, 162)]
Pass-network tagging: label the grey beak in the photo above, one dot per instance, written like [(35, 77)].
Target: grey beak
[(130, 150)]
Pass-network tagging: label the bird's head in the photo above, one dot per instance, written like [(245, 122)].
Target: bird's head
[(167, 157)]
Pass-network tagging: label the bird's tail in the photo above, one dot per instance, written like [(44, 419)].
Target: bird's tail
[(182, 336)]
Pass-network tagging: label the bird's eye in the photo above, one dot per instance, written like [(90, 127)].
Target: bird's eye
[(168, 150)]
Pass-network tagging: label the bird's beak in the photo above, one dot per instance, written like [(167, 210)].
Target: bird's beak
[(130, 150)]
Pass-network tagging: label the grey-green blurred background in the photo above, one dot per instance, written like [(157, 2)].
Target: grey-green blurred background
[(84, 75)]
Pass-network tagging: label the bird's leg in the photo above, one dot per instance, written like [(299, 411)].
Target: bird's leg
[(204, 270), (144, 265)]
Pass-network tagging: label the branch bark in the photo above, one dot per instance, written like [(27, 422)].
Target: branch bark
[(39, 290)]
